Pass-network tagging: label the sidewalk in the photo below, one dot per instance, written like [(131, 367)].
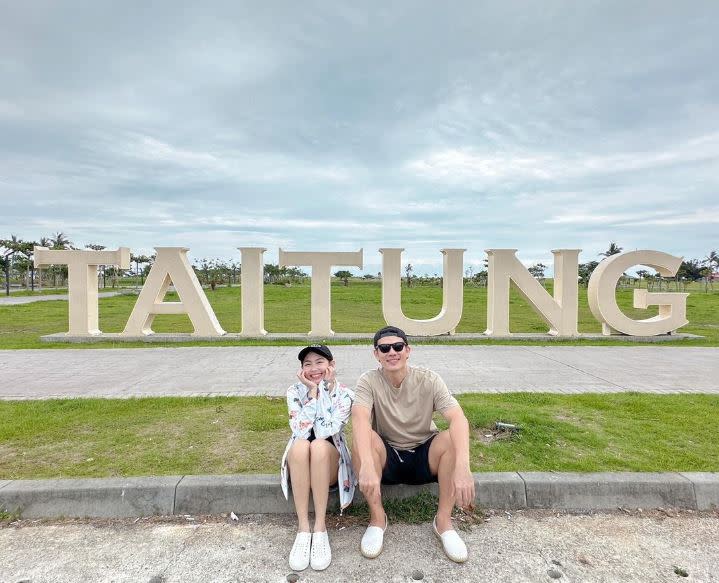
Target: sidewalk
[(524, 547), (268, 370), (19, 300)]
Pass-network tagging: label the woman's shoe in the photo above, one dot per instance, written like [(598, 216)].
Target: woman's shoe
[(373, 540), (300, 553), (453, 546), (321, 554)]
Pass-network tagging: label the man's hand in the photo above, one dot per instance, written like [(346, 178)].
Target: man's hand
[(369, 482), (308, 383), (463, 483)]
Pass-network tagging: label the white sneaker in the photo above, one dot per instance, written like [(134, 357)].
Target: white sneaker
[(300, 553), (373, 540), (452, 544), (321, 554)]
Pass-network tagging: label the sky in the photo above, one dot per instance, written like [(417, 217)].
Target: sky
[(336, 126)]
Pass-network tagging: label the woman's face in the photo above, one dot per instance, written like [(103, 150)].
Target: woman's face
[(314, 366)]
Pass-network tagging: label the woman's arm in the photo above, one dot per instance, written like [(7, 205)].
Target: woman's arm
[(302, 411), (333, 410)]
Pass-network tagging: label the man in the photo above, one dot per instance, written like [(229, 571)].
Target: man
[(395, 440)]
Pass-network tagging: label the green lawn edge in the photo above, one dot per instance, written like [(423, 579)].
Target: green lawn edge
[(73, 438)]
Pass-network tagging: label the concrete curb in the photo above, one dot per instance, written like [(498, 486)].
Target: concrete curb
[(261, 493)]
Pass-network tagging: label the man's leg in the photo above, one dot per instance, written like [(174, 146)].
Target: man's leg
[(324, 458), (298, 460), (379, 458), (441, 464)]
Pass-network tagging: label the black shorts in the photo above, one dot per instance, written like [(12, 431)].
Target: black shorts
[(408, 466), (311, 437)]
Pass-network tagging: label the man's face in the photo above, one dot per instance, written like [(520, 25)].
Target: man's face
[(392, 360), (314, 366)]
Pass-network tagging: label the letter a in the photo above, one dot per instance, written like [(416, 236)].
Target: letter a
[(172, 267)]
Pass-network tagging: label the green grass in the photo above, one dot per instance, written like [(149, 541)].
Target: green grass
[(226, 435), (356, 308)]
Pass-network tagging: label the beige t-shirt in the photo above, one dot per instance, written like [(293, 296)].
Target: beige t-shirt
[(403, 416)]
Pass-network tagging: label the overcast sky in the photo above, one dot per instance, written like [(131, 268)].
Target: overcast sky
[(334, 126)]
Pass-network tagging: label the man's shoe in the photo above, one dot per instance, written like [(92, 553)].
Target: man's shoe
[(300, 553), (373, 540), (453, 546), (321, 554)]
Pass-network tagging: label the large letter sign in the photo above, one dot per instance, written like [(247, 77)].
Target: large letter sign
[(452, 289), (172, 267), (82, 281), (321, 263), (559, 312), (253, 291), (603, 302)]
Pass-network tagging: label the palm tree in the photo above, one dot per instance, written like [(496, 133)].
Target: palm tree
[(44, 242), (408, 272), (712, 263), (8, 248), (614, 249), (59, 241)]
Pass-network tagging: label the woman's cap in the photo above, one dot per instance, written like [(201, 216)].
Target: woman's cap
[(320, 349)]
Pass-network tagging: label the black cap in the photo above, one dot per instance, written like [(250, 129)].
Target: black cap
[(320, 349), (389, 331)]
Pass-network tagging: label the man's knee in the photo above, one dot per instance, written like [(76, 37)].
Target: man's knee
[(441, 448)]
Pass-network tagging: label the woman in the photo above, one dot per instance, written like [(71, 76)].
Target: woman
[(316, 456)]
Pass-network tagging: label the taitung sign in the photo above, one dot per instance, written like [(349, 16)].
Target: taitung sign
[(559, 311)]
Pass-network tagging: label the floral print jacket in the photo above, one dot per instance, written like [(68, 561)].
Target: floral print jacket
[(327, 415)]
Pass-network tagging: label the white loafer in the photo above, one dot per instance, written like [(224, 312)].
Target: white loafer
[(321, 554), (300, 553), (452, 544), (373, 540)]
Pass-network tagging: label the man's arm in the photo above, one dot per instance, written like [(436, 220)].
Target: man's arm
[(368, 477), (462, 476)]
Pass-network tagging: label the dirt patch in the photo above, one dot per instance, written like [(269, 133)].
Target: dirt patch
[(487, 436)]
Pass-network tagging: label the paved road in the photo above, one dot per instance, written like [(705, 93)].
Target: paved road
[(19, 300), (524, 548), (268, 370)]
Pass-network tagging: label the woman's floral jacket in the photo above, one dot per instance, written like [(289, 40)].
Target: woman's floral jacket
[(327, 415)]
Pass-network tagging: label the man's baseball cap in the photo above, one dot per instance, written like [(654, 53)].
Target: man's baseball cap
[(389, 331), (320, 349)]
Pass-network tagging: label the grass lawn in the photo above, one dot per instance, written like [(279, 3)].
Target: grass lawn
[(356, 308), (225, 435)]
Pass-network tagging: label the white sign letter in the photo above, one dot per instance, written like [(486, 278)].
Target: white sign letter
[(253, 291), (321, 263), (172, 267), (452, 294), (560, 312), (82, 282), (603, 302)]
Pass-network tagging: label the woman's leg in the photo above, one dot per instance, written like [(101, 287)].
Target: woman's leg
[(324, 460), (298, 460)]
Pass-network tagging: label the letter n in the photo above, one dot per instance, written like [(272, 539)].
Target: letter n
[(560, 312)]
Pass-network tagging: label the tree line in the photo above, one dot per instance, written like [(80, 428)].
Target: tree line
[(16, 265)]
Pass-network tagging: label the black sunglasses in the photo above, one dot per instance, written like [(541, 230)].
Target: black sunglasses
[(398, 347)]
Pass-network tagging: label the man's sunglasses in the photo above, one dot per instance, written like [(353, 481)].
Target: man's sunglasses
[(398, 347)]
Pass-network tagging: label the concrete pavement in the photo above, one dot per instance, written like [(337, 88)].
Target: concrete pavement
[(268, 370), (518, 547)]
